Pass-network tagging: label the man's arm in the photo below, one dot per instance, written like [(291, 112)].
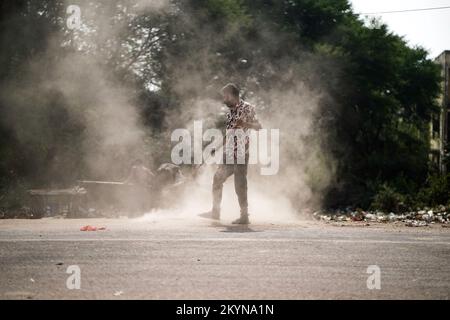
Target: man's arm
[(149, 172), (131, 177)]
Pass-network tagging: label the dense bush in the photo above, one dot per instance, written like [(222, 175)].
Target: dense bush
[(436, 191), (388, 200)]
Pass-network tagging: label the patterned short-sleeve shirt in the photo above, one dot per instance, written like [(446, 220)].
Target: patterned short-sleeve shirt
[(243, 111)]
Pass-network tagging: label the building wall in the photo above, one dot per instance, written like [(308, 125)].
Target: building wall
[(440, 128)]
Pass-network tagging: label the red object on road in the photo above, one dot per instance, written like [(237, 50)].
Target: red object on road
[(92, 228)]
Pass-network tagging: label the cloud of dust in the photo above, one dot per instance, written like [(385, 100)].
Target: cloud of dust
[(114, 134), (101, 106), (306, 169), (295, 108)]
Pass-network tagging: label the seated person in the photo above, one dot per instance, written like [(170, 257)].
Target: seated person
[(170, 175), (141, 179), (170, 182), (139, 174)]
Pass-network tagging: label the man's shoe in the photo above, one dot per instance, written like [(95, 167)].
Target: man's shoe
[(242, 220), (210, 215), (215, 215)]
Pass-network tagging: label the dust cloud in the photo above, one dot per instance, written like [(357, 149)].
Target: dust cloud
[(104, 108)]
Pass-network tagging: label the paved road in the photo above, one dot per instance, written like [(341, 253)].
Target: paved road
[(174, 258)]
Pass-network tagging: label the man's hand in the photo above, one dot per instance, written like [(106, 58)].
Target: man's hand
[(240, 124)]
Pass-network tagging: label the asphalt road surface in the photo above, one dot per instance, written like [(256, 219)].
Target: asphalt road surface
[(174, 258)]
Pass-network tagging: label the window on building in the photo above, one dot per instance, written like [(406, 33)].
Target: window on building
[(448, 127), (435, 157), (448, 87), (436, 127)]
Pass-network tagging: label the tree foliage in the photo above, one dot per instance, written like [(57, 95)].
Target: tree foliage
[(383, 91)]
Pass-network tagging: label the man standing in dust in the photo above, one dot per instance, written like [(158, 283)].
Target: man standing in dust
[(241, 115)]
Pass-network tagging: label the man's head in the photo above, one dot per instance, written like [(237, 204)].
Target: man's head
[(230, 94)]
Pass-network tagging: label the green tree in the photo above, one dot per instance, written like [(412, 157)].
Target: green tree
[(382, 92)]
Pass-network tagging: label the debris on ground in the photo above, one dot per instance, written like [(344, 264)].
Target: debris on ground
[(92, 228), (118, 293), (415, 223), (420, 218)]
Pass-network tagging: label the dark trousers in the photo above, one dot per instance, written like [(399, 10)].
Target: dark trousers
[(240, 185)]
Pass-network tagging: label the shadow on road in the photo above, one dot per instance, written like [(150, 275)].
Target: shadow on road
[(205, 215), (228, 228), (239, 229)]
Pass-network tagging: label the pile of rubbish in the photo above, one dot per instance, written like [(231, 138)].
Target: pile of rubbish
[(420, 218)]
